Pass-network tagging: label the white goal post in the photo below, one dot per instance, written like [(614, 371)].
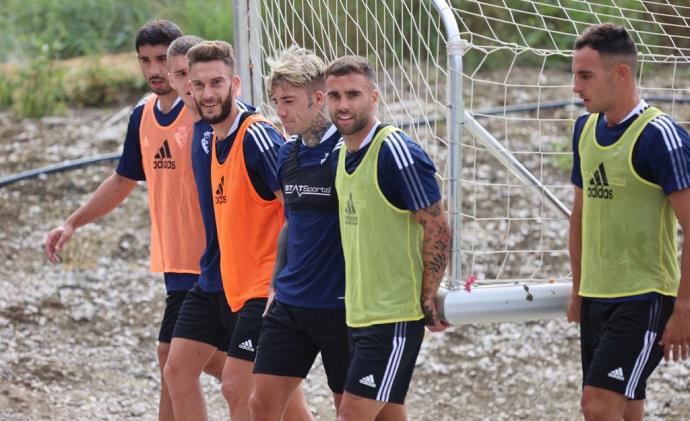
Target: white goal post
[(485, 87)]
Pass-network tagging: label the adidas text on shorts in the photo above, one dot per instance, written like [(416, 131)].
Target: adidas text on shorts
[(620, 342), (245, 337), (383, 360)]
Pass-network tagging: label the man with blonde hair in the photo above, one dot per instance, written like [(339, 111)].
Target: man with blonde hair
[(307, 315), (248, 213)]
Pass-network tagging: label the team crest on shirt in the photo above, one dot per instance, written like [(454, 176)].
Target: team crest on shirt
[(206, 141), (181, 134)]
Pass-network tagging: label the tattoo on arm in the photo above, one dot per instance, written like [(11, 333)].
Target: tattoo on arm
[(435, 254)]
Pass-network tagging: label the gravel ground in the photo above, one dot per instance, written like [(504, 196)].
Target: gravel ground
[(77, 340)]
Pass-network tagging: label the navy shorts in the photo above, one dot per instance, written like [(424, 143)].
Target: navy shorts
[(291, 338), (173, 303), (383, 360), (205, 317), (245, 336), (620, 342)]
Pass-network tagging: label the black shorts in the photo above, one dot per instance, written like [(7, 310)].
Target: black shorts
[(620, 343), (291, 337), (245, 336), (173, 303), (205, 317), (383, 360)]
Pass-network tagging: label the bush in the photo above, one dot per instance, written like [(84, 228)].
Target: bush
[(98, 84), (40, 89)]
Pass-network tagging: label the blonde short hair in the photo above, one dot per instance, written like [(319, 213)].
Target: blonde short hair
[(297, 67)]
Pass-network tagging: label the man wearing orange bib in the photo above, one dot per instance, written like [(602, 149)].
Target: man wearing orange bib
[(248, 211), (157, 149)]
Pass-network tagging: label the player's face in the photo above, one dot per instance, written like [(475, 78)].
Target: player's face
[(351, 102), (594, 80), (153, 61), (296, 107), (179, 79), (213, 89)]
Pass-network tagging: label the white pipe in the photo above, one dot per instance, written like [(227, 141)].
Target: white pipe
[(504, 303)]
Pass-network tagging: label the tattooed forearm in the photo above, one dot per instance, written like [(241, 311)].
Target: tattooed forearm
[(435, 248)]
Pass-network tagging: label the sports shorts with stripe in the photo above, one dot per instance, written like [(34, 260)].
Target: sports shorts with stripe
[(245, 336), (205, 317), (383, 360), (292, 337), (620, 342)]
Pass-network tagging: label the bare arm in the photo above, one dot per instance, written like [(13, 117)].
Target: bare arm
[(676, 338), (435, 253), (575, 247), (112, 191)]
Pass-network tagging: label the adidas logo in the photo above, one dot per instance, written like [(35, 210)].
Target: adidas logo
[(368, 381), (350, 212), (163, 159), (598, 185), (219, 198), (617, 374), (247, 345)]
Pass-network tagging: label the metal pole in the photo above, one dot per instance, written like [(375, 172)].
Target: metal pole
[(254, 44), (510, 162), (456, 110), (240, 22)]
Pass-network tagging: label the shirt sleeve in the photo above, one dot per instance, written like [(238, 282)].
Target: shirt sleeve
[(576, 173), (407, 176), (664, 152), (283, 153), (261, 152), (130, 165)]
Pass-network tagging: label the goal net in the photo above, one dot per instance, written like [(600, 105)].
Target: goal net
[(516, 85)]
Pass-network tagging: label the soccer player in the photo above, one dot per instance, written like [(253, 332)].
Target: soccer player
[(307, 314), (157, 149), (248, 211), (631, 174), (395, 239)]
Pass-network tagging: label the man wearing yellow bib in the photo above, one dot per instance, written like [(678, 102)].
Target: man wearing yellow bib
[(631, 171), (395, 242)]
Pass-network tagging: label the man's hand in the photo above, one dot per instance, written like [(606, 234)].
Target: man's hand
[(676, 338), (574, 305), (431, 318), (269, 300), (56, 239)]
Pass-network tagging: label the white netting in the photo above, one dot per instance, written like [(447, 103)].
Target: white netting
[(517, 55)]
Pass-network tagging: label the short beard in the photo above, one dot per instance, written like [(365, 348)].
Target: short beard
[(225, 109), (163, 91)]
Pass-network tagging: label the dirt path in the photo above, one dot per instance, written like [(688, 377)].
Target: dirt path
[(77, 340)]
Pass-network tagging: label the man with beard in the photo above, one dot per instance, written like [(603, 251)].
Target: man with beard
[(395, 241), (157, 149), (248, 212)]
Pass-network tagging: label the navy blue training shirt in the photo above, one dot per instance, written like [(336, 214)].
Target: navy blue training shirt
[(314, 276), (406, 174)]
